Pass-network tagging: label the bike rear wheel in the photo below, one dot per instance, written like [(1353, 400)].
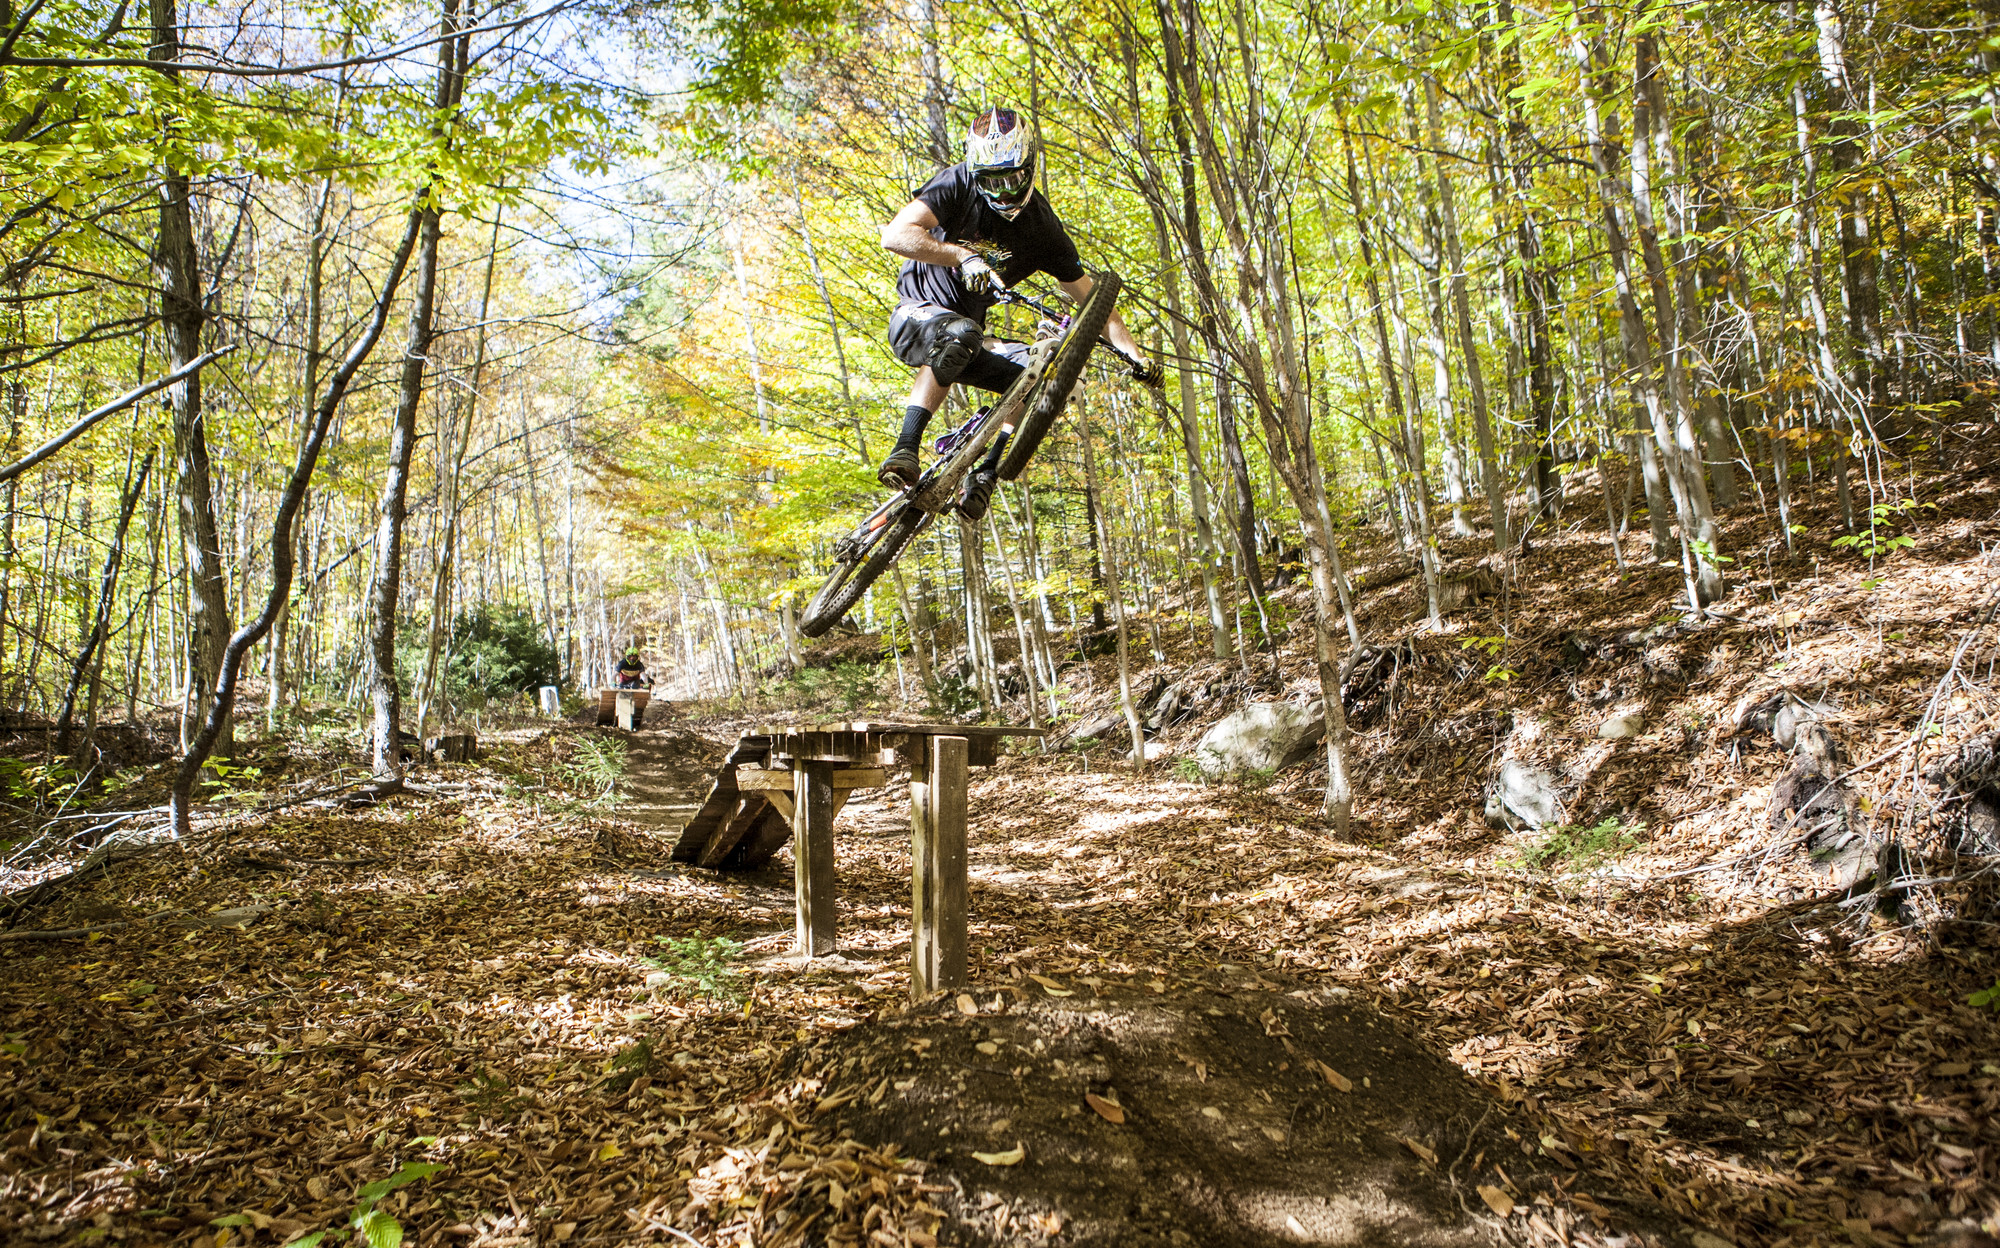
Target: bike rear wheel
[(1062, 375), (853, 577)]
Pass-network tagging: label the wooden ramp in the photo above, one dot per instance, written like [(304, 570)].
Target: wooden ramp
[(629, 715), (782, 781)]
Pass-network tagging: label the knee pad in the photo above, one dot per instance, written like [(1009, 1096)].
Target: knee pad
[(955, 341)]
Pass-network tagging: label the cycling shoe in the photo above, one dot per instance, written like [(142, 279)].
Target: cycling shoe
[(978, 494), (901, 470)]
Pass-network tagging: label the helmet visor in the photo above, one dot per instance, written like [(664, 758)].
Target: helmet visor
[(1006, 187)]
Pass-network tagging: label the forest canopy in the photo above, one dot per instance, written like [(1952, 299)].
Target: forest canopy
[(378, 319)]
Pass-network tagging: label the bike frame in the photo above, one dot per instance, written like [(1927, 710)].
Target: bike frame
[(936, 491)]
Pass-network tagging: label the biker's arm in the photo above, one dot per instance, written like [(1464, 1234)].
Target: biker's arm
[(1114, 329), (908, 235)]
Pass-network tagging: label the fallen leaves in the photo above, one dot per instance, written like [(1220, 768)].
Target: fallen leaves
[(1012, 1157), (1420, 1150), (1053, 987), (1111, 1111), (1496, 1199), (1339, 1081)]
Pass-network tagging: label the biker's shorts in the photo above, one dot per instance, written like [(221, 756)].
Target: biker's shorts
[(911, 327)]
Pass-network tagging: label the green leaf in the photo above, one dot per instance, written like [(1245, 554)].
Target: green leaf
[(307, 1241), (379, 1229), (411, 1172)]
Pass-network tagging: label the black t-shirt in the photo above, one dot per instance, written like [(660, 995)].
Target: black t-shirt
[(1036, 239), (630, 665)]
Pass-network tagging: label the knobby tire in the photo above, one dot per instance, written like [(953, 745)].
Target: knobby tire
[(851, 580), (1062, 375)]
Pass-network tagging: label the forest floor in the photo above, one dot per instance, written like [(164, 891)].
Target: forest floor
[(494, 1012)]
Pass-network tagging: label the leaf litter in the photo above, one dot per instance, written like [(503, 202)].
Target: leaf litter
[(1699, 1040)]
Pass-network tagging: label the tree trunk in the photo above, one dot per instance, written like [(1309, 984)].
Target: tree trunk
[(1101, 540), (456, 436), (94, 641), (1409, 447), (1602, 137), (1682, 453), (316, 242), (177, 268), (385, 590), (1857, 250), (223, 703), (1468, 344)]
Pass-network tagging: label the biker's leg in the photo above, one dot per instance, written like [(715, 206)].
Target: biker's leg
[(995, 369), (927, 395), (940, 346)]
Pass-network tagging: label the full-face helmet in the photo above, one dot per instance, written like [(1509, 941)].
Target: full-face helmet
[(1001, 154)]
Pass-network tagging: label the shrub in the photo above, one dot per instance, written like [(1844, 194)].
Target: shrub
[(1578, 848), (498, 651)]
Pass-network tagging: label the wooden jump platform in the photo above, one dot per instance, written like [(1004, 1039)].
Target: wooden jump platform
[(624, 707), (785, 782)]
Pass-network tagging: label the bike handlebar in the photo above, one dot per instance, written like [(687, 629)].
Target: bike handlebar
[(1006, 294)]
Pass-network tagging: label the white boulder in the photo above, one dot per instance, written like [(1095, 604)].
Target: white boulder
[(1522, 796), (1267, 737)]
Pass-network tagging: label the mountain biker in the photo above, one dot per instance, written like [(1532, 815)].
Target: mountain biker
[(631, 669), (986, 203)]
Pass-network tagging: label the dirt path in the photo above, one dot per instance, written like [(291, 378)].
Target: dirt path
[(667, 771), (510, 984)]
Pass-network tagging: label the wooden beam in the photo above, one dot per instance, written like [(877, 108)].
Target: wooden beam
[(812, 852), (749, 808), (781, 781), (939, 890)]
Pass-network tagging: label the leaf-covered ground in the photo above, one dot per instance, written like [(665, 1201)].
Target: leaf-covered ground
[(480, 977)]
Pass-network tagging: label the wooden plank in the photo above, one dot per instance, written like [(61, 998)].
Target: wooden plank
[(716, 808), (752, 778), (871, 728), (939, 890), (812, 852), (766, 839), (748, 811)]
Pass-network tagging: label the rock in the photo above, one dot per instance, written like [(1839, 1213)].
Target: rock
[(1166, 711), (1267, 737), (1098, 728), (1522, 796), (1458, 592), (1578, 649), (1619, 727), (1754, 712), (1155, 751), (1969, 790)]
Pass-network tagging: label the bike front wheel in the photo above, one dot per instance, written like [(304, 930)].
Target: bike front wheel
[(1062, 375), (852, 578)]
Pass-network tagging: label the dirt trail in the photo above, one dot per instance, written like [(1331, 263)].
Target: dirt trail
[(667, 771)]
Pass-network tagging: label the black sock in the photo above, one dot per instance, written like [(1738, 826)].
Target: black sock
[(914, 420), (992, 461)]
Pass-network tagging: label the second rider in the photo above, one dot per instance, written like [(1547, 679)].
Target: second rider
[(988, 203)]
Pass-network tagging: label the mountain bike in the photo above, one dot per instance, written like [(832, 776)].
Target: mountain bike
[(1026, 411)]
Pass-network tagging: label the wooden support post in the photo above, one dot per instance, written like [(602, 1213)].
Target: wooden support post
[(628, 714), (939, 894), (812, 851)]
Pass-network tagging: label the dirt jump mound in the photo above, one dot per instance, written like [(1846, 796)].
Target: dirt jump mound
[(1086, 1113)]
